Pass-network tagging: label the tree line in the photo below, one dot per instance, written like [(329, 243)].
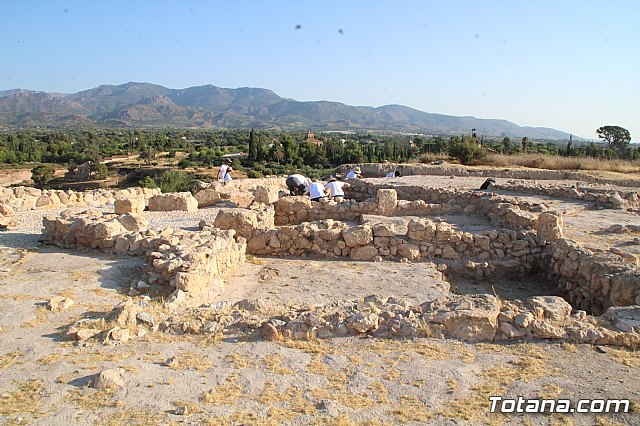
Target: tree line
[(271, 152)]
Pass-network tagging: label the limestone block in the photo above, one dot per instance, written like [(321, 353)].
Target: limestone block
[(133, 222), (242, 220), (357, 236), (387, 201), (625, 288), (421, 229), (125, 313), (129, 205), (554, 307), (59, 303), (110, 379), (366, 253), (472, 317), (266, 194), (208, 197), (182, 201), (549, 226), (410, 251), (383, 230)]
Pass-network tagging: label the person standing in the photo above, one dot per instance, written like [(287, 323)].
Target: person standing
[(223, 171), (317, 190), (335, 189)]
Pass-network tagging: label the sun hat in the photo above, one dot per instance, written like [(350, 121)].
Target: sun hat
[(357, 170)]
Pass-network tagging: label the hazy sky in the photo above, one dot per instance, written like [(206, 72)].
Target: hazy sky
[(570, 65)]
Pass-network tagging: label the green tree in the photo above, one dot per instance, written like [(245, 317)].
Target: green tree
[(42, 174), (525, 144), (506, 144), (617, 137)]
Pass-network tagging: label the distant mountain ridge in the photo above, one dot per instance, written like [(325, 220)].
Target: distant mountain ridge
[(150, 105)]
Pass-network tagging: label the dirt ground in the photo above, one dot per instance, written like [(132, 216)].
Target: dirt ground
[(184, 379)]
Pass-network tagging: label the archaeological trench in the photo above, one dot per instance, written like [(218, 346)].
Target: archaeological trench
[(464, 234)]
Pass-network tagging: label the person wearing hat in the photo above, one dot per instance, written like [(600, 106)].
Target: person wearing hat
[(335, 189), (223, 172), (354, 173)]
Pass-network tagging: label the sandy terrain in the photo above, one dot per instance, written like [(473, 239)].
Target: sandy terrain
[(184, 379)]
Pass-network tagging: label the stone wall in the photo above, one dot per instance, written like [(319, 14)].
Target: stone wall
[(407, 201), (193, 263), (591, 282), (424, 240), (381, 169), (22, 198), (241, 193), (606, 198)]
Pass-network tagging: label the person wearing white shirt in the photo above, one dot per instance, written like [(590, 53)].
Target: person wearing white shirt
[(316, 190), (297, 184), (223, 171), (335, 189), (354, 173)]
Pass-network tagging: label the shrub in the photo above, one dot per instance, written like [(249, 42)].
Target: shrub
[(467, 152), (175, 181), (253, 174), (42, 174), (147, 182)]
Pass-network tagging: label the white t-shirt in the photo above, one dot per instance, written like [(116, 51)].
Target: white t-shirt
[(227, 175), (316, 190), (335, 188), (223, 171)]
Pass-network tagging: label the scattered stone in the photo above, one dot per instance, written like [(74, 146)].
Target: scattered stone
[(110, 379), (269, 332), (59, 303)]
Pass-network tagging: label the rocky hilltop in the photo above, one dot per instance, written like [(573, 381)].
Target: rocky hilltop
[(145, 104)]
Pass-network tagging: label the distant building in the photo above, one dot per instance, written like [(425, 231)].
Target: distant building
[(311, 138)]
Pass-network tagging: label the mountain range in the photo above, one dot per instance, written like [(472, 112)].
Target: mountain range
[(150, 105)]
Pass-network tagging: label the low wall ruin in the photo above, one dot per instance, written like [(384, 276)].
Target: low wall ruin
[(195, 264)]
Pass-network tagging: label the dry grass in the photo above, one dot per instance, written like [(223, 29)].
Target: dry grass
[(17, 297), (40, 317), (273, 363), (318, 366), (9, 359), (538, 161), (136, 417), (240, 361), (239, 418), (189, 361), (90, 399), (624, 356), (410, 409), (227, 394), (569, 347), (531, 364), (255, 260), (26, 399), (309, 346), (190, 406)]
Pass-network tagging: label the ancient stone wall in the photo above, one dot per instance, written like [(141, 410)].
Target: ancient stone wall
[(424, 240), (193, 263), (591, 282), (22, 198), (384, 200), (606, 198), (381, 169)]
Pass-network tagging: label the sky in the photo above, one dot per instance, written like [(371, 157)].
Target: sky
[(569, 65)]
